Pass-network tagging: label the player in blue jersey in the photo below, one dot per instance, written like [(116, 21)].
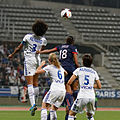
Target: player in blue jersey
[(32, 43), (68, 59)]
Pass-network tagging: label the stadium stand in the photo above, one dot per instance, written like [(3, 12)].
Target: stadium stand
[(17, 21), (114, 67), (97, 24)]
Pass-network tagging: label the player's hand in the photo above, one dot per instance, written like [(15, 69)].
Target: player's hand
[(10, 56), (37, 52)]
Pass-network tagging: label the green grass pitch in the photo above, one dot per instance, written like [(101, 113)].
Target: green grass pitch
[(25, 115)]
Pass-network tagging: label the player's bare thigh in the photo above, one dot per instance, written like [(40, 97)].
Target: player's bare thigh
[(29, 80)]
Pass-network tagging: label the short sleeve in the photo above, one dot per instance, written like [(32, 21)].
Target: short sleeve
[(24, 39), (44, 41), (46, 68), (57, 47), (74, 50), (96, 76), (76, 72)]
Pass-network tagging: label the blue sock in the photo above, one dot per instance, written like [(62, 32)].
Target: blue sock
[(66, 117), (48, 117)]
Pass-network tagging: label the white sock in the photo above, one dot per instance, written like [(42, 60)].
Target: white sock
[(92, 118), (53, 115), (70, 117), (43, 114), (31, 94), (36, 93)]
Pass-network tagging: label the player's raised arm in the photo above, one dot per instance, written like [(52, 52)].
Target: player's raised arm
[(16, 50), (39, 69), (46, 51)]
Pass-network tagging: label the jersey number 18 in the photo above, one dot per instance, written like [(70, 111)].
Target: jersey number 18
[(63, 54)]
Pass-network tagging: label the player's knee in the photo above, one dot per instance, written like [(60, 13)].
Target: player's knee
[(35, 84), (67, 110)]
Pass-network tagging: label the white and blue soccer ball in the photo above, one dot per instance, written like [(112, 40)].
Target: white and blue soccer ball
[(66, 13)]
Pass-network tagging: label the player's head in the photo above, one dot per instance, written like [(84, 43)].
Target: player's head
[(70, 40), (87, 60), (53, 60), (39, 27)]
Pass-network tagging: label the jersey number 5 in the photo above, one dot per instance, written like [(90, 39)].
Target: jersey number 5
[(86, 80)]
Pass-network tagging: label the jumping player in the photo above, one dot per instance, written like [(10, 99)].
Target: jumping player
[(32, 43), (88, 80), (56, 94), (68, 59)]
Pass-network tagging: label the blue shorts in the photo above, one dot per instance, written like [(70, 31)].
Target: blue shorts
[(75, 92), (69, 100)]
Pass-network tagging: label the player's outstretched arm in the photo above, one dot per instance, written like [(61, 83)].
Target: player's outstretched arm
[(46, 51), (97, 84), (16, 50), (39, 69)]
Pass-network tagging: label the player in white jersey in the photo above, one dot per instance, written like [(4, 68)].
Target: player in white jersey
[(56, 93), (88, 80), (32, 43)]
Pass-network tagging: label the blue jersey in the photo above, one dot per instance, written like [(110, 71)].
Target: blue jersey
[(66, 52)]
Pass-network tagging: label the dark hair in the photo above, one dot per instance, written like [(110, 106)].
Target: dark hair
[(39, 27), (87, 60), (70, 40)]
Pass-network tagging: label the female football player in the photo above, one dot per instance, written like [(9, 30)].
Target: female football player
[(56, 94), (88, 80), (32, 43)]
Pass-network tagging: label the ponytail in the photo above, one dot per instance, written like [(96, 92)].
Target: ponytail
[(53, 59)]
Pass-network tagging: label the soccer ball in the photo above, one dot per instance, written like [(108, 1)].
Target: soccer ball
[(66, 13)]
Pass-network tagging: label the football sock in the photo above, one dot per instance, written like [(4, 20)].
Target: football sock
[(31, 94), (44, 114), (36, 93), (90, 118), (66, 117), (70, 117), (53, 115), (48, 117)]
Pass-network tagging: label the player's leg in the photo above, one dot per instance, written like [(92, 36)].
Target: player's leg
[(44, 111), (90, 109), (30, 89), (36, 88), (69, 101), (31, 94), (53, 114)]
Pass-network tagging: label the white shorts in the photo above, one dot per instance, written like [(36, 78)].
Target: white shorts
[(30, 66), (54, 97), (84, 103)]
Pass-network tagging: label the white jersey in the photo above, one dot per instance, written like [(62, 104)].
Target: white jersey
[(57, 75), (32, 60), (87, 77), (32, 43)]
